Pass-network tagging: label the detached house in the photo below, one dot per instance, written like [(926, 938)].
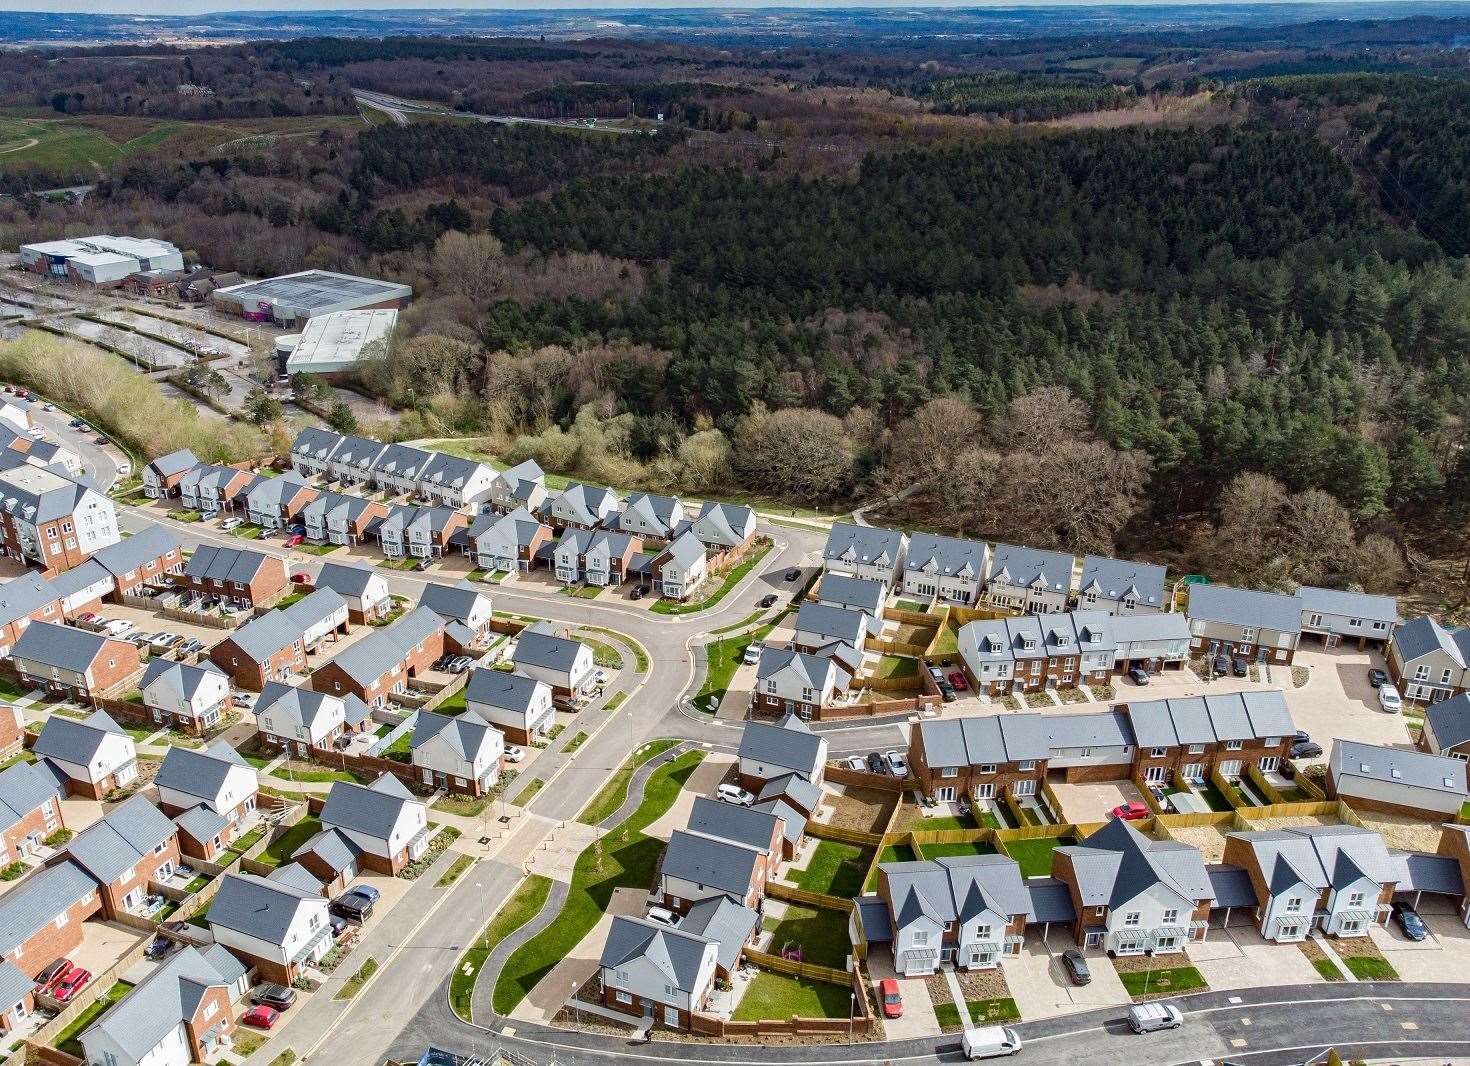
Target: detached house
[(969, 911), (763, 830), (210, 794), (818, 626), (655, 973), (655, 517), (509, 542), (795, 682), (93, 757), (1375, 777), (191, 698), (76, 663), (853, 594), (519, 707), (1120, 587), (298, 718), (276, 502), (1244, 624), (1134, 895), (584, 507), (383, 821), (272, 926), (697, 868), (772, 751), (1339, 878), (134, 845), (725, 529), (162, 476), (364, 588), (1192, 735), (1427, 661), (945, 569), (864, 551), (240, 575), (1029, 580), (680, 568), (458, 754), (464, 610), (565, 665), (522, 487)]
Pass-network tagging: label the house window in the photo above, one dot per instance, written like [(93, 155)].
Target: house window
[(1196, 749), (982, 932), (1271, 742), (1355, 899), (921, 937), (1097, 912), (1026, 764), (950, 771), (987, 768), (1158, 753), (1294, 905), (1232, 745), (622, 997), (1171, 917), (1355, 623), (1131, 918), (1421, 673)]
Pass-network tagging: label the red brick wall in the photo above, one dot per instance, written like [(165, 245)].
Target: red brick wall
[(50, 943), (32, 822)]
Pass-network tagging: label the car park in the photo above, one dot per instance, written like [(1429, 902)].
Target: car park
[(895, 762), (1377, 677), (875, 763), (946, 692), (663, 916), (1389, 699), (889, 997), (1130, 811), (1138, 675), (192, 646), (1306, 749), (118, 627), (234, 522), (1151, 1017), (731, 793), (74, 981), (1075, 967), (989, 1042), (260, 1017), (273, 995), (354, 906), (1409, 922)]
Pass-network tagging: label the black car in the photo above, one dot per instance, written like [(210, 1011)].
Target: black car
[(1306, 749), (1221, 666), (946, 692), (1409, 922), (354, 906), (637, 593), (768, 601), (1075, 967), (875, 764), (1301, 736), (794, 574), (1377, 677), (1240, 667), (272, 995), (1138, 675), (159, 948)]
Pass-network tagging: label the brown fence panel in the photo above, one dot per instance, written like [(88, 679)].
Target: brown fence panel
[(1034, 832), (1310, 787), (810, 970), (952, 836), (823, 831), (862, 779), (792, 894)]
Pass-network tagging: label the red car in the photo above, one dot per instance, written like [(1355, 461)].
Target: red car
[(71, 984), (889, 997), (260, 1016), (1131, 812), (302, 578), (957, 680), (294, 539)]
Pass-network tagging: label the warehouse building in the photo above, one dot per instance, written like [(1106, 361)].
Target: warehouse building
[(335, 343), (101, 260), (293, 298)]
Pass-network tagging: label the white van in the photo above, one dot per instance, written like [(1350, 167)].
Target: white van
[(1150, 1017), (1389, 698), (990, 1042)]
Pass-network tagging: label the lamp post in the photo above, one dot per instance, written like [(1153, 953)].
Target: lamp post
[(851, 1009)]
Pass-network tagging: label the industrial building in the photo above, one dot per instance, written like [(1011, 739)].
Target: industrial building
[(101, 260), (293, 298), (334, 343)]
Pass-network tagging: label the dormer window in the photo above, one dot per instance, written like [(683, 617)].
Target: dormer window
[(1028, 643)]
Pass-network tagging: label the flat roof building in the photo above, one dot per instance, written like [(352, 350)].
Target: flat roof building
[(308, 294), (101, 259), (334, 343)]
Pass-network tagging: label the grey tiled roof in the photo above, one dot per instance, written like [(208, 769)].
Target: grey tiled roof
[(305, 705), (956, 888), (1397, 766), (1421, 636), (316, 443), (1320, 857), (730, 821), (1211, 718), (23, 788), (863, 544), (259, 907), (815, 669), (1029, 567), (1423, 872), (497, 688), (677, 955), (201, 822), (1051, 900), (793, 821), (182, 680), (150, 1012), (71, 741), (345, 579), (21, 596), (1245, 607), (1362, 605), (949, 555), (872, 915), (145, 546), (1232, 886), (723, 524), (215, 563), (1119, 579), (64, 647), (451, 602), (1118, 862), (727, 923), (686, 552), (38, 899), (793, 788), (787, 744), (370, 810), (451, 471), (470, 738), (123, 837), (855, 592), (174, 463), (834, 623), (274, 492), (1449, 721), (297, 876), (14, 985), (716, 864), (535, 647), (657, 511), (199, 773), (378, 652), (332, 847)]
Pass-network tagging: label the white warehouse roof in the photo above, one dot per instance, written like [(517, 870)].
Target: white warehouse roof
[(334, 342)]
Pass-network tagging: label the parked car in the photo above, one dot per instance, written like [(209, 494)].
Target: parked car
[(164, 641), (1306, 749), (91, 617), (957, 681), (208, 516), (601, 677), (1075, 967), (52, 973), (71, 984), (354, 906), (638, 592), (343, 742), (75, 423), (1409, 922), (794, 574), (301, 577), (855, 762), (732, 793), (234, 522), (663, 916), (875, 763), (889, 997), (369, 891), (752, 654), (159, 948), (260, 1017), (273, 995), (1221, 666), (460, 663), (1151, 1017), (421, 565), (1301, 736), (897, 765), (946, 692), (48, 407), (119, 627), (514, 753), (296, 538), (1389, 699), (244, 699), (99, 439), (339, 925), (1131, 811), (1376, 677), (767, 601), (1240, 667), (989, 1042), (191, 646), (1138, 675)]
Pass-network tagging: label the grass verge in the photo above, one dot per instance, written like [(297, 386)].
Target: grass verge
[(1153, 984), (453, 874), (523, 905), (355, 983), (612, 794)]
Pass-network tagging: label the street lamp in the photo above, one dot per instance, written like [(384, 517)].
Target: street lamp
[(851, 1010)]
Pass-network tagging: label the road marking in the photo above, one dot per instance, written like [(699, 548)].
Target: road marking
[(1239, 1041), (1409, 1026)]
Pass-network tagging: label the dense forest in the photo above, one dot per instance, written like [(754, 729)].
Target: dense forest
[(1023, 97)]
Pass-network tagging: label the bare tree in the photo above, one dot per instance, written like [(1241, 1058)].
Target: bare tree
[(926, 442), (1244, 545), (472, 264), (1378, 565), (1044, 418), (798, 453), (1316, 536)]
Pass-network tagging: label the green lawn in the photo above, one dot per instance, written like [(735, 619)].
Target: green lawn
[(897, 666), (639, 653), (67, 1041), (616, 702), (315, 777), (612, 794), (982, 1012), (355, 983), (1371, 968), (523, 905), (281, 849), (892, 853), (1174, 980), (723, 659), (623, 858), (749, 619), (1034, 856), (835, 869), (527, 794), (1213, 796), (576, 742), (732, 578), (10, 688), (455, 871), (944, 851), (454, 705), (1328, 969), (401, 748), (822, 934), (246, 842), (964, 821), (774, 995), (466, 806)]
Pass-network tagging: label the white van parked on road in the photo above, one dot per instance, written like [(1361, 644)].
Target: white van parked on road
[(1150, 1017), (990, 1042)]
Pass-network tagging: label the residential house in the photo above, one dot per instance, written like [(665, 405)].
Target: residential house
[(273, 927), (181, 1013), (796, 682), (276, 502), (594, 556), (353, 460), (1029, 580), (818, 626), (422, 532), (383, 663), (333, 518), (92, 757), (655, 973), (312, 450), (30, 811), (81, 665), (1153, 642), (453, 481), (383, 820), (697, 867), (457, 754), (853, 594), (1028, 652), (1120, 587), (793, 823), (190, 698), (1261, 627), (1427, 661), (364, 588), (654, 517), (274, 646), (209, 487), (301, 719), (1331, 616), (790, 790), (1376, 777), (53, 521), (522, 487), (565, 665), (398, 468), (241, 576), (25, 599), (770, 751), (83, 589), (1454, 843), (508, 542), (969, 911), (1134, 895), (12, 730), (725, 529), (763, 830), (584, 507), (1189, 737), (133, 846), (519, 707), (217, 778), (864, 551), (41, 918), (1339, 878), (150, 557), (945, 569), (1446, 729), (162, 476), (464, 610), (680, 568)]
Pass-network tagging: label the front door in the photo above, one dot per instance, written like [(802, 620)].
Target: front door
[(1094, 939)]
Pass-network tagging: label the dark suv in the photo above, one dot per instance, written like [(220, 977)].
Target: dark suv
[(354, 906)]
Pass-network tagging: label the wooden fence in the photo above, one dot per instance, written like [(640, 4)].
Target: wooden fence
[(914, 683), (842, 775), (1310, 786), (792, 894), (809, 970), (1035, 832), (898, 647), (951, 836)]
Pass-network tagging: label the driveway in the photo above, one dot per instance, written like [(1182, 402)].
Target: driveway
[(1092, 800), (918, 1021), (1041, 989), (1446, 951), (1239, 957), (1337, 700), (701, 782)]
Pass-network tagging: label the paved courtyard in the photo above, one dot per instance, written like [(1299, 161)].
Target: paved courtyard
[(1445, 953), (1239, 957), (1041, 989), (1091, 801)]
